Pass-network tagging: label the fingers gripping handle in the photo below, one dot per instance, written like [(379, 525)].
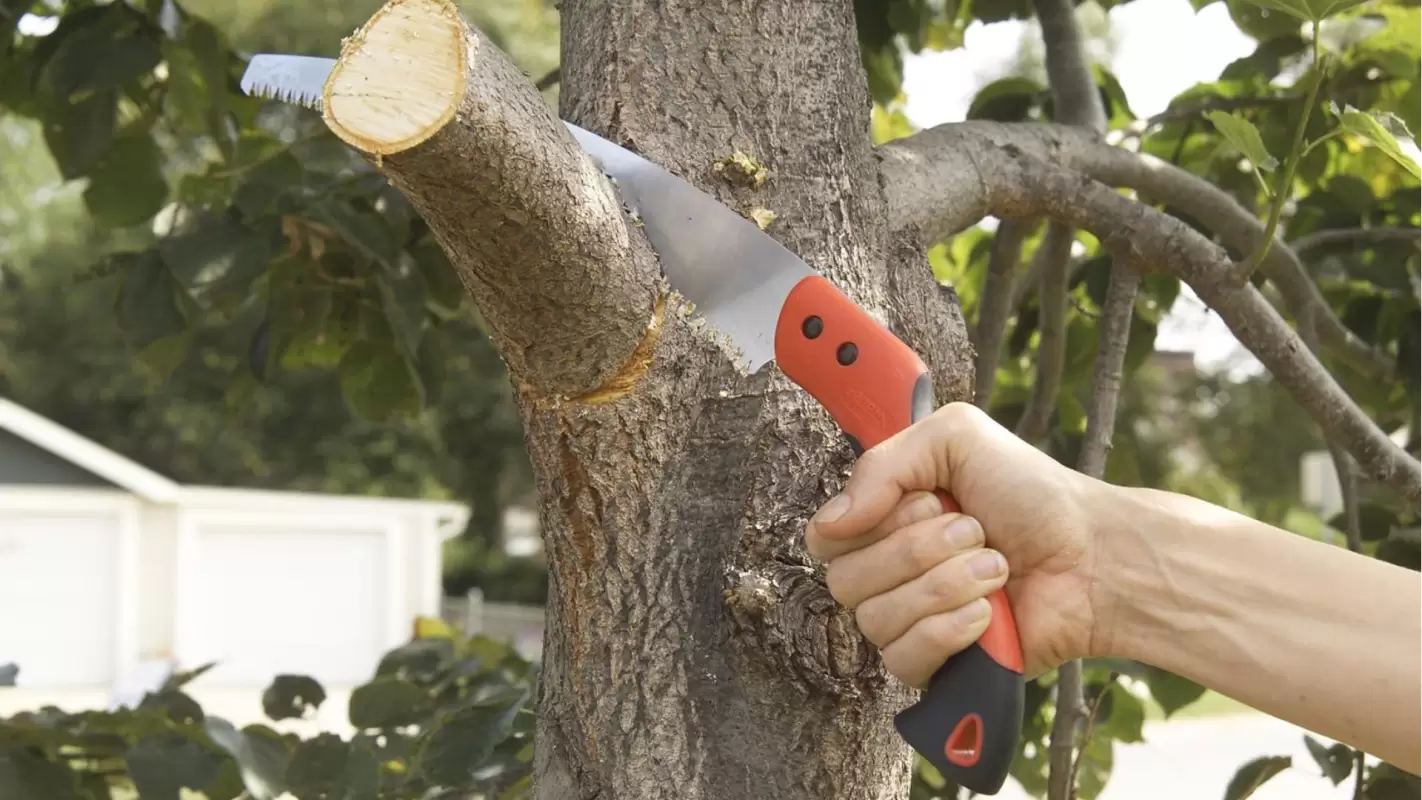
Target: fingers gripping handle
[(968, 721)]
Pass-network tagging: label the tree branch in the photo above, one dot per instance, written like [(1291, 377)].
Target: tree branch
[(939, 192), (1052, 260), (1106, 375), (1361, 236), (1076, 101), (994, 307), (531, 225), (984, 176)]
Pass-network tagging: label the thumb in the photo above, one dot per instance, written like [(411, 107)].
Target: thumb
[(914, 459)]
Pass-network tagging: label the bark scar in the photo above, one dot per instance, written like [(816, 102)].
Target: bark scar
[(626, 378)]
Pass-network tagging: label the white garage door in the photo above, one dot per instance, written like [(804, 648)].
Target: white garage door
[(58, 592), (268, 601)]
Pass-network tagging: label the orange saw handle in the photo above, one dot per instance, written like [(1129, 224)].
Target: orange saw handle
[(969, 719)]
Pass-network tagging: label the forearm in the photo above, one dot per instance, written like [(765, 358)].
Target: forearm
[(1307, 632)]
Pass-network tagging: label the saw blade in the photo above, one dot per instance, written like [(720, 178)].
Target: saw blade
[(735, 275)]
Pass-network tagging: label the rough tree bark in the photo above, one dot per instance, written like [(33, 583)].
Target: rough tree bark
[(691, 648)]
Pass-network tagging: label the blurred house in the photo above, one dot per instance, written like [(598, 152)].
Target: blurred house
[(106, 567)]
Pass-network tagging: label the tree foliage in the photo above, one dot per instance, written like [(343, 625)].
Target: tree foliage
[(442, 717), (251, 261)]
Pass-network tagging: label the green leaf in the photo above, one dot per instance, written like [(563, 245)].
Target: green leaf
[(161, 765), (127, 186), (402, 293), (1401, 552), (378, 382), (1374, 522), (1383, 130), (1171, 691), (179, 706), (1386, 782), (318, 766), (79, 134), (1262, 24), (147, 302), (110, 51), (1245, 138), (462, 741), (217, 257), (25, 776), (1255, 774), (420, 661), (1126, 720), (1336, 761), (292, 697), (1309, 10), (388, 703), (261, 756), (1007, 100)]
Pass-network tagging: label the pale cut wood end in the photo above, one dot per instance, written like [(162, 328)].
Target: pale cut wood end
[(400, 78)]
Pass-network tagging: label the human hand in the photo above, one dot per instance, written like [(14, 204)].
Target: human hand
[(917, 578)]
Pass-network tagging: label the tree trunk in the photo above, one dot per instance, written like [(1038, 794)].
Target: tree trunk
[(692, 651)]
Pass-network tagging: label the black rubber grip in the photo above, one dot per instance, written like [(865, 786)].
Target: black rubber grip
[(972, 703)]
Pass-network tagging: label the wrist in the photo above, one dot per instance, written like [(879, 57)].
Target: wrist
[(1132, 534)]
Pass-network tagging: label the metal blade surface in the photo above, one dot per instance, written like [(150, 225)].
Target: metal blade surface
[(291, 79), (736, 276)]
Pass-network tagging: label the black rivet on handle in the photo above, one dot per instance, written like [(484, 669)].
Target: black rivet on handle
[(812, 327), (847, 353)]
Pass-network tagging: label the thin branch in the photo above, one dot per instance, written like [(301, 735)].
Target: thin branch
[(1053, 256), (1002, 179), (993, 308), (1076, 101), (936, 190), (1358, 236), (1100, 423), (1285, 189), (1107, 372), (1091, 725), (545, 248), (549, 80), (1061, 743)]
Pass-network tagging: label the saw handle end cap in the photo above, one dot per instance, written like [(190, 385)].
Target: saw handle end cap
[(969, 719)]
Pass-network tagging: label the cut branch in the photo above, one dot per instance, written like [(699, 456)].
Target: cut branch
[(939, 191), (1052, 260), (998, 177), (531, 225), (994, 308)]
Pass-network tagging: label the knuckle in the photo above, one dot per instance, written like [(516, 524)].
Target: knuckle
[(838, 583), (926, 549), (946, 634), (945, 582), (870, 620)]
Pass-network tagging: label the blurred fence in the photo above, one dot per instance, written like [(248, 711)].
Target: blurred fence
[(517, 624)]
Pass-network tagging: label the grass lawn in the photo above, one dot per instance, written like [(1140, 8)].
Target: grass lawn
[(1209, 705)]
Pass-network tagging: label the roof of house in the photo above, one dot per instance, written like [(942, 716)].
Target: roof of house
[(131, 476), (86, 453)]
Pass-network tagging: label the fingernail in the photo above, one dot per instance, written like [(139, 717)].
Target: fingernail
[(833, 510), (973, 612), (987, 564), (964, 533)]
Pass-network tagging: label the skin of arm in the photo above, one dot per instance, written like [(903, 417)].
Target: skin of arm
[(1308, 632), (1313, 634)]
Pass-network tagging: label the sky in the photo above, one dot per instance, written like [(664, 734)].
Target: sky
[(1164, 47)]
